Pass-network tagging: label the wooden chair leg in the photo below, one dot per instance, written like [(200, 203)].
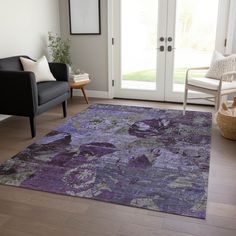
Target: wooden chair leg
[(33, 126), (217, 102), (64, 107), (185, 99), (85, 97)]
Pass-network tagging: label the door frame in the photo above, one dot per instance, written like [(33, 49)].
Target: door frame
[(222, 31), (110, 53)]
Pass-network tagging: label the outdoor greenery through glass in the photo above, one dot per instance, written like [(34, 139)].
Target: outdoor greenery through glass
[(150, 75)]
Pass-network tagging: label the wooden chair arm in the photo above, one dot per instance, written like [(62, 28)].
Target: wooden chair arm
[(197, 68), (229, 73), (194, 68)]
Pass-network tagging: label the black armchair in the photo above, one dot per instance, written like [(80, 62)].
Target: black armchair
[(20, 95)]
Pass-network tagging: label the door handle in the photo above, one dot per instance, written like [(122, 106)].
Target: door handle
[(169, 48), (161, 48)]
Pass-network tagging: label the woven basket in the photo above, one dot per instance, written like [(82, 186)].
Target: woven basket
[(227, 124)]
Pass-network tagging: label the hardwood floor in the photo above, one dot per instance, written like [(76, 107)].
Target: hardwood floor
[(27, 212)]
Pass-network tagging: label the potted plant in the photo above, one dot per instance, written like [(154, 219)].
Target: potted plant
[(59, 49)]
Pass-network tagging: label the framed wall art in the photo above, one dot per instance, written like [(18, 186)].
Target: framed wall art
[(85, 18)]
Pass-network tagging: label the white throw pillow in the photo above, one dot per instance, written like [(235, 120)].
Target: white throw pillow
[(216, 56), (40, 68), (220, 65)]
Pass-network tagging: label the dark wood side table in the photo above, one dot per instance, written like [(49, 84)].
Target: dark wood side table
[(79, 85)]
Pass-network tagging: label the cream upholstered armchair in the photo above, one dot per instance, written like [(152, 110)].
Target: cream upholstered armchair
[(225, 84)]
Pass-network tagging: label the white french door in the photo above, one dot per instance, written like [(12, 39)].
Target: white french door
[(137, 51), (155, 41)]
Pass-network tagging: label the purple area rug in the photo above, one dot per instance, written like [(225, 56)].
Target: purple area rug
[(143, 157)]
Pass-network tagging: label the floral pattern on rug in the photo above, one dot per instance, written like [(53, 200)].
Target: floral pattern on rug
[(144, 157)]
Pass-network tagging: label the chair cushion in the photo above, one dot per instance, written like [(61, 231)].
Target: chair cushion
[(50, 90), (212, 84)]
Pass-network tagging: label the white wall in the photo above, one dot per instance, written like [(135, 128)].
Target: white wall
[(24, 25), (88, 52)]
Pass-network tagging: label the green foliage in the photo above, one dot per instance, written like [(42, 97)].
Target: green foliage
[(59, 49), (150, 75)]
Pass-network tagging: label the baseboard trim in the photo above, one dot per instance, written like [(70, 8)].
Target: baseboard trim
[(92, 93), (3, 117)]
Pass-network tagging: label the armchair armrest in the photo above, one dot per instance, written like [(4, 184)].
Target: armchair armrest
[(194, 68), (229, 73), (60, 71), (228, 76), (18, 93), (198, 68)]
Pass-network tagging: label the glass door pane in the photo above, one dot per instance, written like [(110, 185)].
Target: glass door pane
[(138, 44), (195, 37)]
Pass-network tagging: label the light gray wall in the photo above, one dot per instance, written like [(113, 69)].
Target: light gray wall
[(24, 25), (88, 52)]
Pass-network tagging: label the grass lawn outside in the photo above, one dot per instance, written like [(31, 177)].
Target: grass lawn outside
[(150, 75)]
